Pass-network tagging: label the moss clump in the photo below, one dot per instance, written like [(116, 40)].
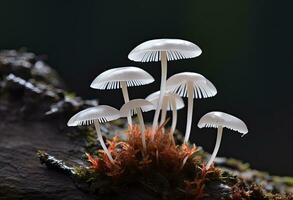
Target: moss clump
[(167, 170), (163, 167)]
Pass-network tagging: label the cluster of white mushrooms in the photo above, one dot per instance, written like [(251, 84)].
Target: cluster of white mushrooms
[(187, 84)]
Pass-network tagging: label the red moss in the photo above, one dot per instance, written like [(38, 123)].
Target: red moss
[(161, 153), (196, 187), (182, 166)]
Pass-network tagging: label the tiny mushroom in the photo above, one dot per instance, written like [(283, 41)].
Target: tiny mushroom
[(220, 120), (122, 77), (136, 106), (170, 102), (96, 115), (163, 50), (191, 85)]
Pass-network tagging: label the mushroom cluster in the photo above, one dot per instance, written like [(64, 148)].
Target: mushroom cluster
[(186, 84)]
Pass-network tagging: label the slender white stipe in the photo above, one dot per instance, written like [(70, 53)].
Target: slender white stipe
[(217, 146), (162, 90), (164, 110), (126, 99), (174, 117), (100, 138)]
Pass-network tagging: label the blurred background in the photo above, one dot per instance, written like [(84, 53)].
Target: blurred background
[(247, 46)]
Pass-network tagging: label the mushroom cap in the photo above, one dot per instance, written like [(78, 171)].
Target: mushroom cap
[(110, 79), (176, 49), (102, 113), (215, 119), (154, 98), (202, 87), (131, 106)]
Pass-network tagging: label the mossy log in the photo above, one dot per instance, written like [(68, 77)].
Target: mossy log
[(34, 109)]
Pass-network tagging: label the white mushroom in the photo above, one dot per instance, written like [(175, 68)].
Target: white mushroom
[(220, 120), (96, 115), (122, 77), (163, 50), (170, 102), (136, 106), (191, 85)]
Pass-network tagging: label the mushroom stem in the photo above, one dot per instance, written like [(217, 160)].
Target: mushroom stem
[(164, 111), (216, 149), (100, 138), (126, 99), (189, 111), (142, 128), (162, 90), (174, 117)]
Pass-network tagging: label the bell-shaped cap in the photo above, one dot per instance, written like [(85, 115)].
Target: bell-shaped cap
[(110, 79), (130, 107), (202, 87), (101, 113), (176, 49), (215, 119), (168, 98)]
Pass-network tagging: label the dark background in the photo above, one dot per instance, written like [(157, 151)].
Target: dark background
[(247, 46)]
